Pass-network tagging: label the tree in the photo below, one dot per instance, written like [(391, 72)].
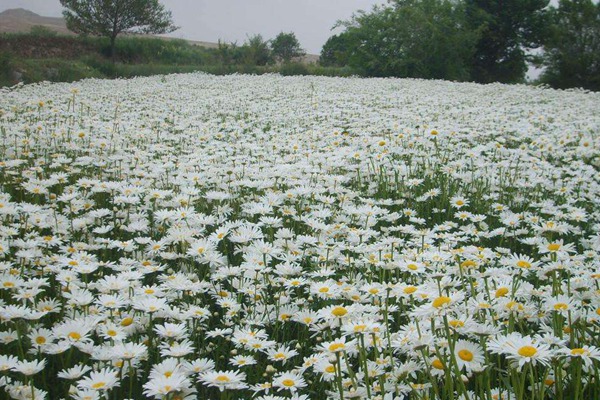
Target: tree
[(110, 18), (335, 51), (572, 45), (256, 51), (506, 30), (406, 38), (286, 47)]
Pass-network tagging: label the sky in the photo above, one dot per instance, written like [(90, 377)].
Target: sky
[(235, 20)]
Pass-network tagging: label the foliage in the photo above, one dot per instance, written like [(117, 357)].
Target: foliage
[(294, 68), (505, 29), (256, 51), (112, 18), (335, 50), (43, 31), (138, 56), (5, 68), (572, 45), (408, 38), (286, 47)]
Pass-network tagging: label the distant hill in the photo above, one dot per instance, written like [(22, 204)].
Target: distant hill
[(20, 20)]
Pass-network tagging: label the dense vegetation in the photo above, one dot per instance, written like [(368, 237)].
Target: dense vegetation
[(42, 55), (473, 40)]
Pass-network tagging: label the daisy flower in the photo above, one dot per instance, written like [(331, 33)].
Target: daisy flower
[(102, 380), (587, 354), (28, 368), (75, 372), (522, 349), (242, 361), (282, 354), (468, 355), (289, 381), (224, 379), (162, 385)]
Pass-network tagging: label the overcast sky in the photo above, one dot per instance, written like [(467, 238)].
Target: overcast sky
[(233, 20)]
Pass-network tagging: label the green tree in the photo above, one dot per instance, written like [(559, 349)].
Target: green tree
[(335, 51), (110, 18), (506, 29), (572, 45), (286, 47), (407, 38), (257, 51)]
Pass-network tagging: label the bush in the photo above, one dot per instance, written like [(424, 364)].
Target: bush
[(42, 31), (5, 68), (289, 69)]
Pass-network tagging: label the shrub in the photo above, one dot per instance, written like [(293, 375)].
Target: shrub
[(295, 68)]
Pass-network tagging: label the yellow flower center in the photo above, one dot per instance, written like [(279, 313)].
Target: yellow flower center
[(578, 352), (40, 340), (553, 246), (468, 263), (111, 332), (288, 382), (330, 369), (339, 311), (324, 290), (561, 306), (74, 335), (523, 264), (336, 346), (127, 321), (279, 356), (527, 351), (222, 378), (455, 323), (410, 289), (360, 328), (412, 267), (441, 301), (98, 385), (465, 355), (512, 305), (437, 364)]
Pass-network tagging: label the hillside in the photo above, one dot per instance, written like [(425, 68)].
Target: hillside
[(20, 20)]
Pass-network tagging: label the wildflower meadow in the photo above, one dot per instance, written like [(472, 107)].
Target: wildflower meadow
[(266, 237)]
